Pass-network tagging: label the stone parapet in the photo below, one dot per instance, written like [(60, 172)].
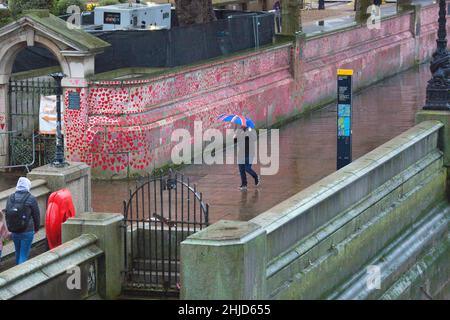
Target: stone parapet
[(76, 177), (110, 239), (48, 276)]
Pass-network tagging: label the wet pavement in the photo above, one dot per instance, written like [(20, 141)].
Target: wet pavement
[(345, 18), (307, 151)]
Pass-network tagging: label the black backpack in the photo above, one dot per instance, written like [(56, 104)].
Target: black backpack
[(18, 215)]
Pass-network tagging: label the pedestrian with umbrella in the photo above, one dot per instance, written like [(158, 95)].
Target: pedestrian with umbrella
[(244, 126)]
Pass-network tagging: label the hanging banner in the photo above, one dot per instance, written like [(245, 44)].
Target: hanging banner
[(344, 118), (47, 115)]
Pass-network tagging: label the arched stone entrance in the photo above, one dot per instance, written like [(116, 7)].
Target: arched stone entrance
[(74, 49)]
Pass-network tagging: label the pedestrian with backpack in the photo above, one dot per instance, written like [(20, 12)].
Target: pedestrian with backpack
[(22, 219)]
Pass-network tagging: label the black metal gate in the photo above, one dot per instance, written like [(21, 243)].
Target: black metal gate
[(161, 213), (27, 147)]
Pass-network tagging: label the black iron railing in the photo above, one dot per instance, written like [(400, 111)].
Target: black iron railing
[(159, 214), (27, 147)]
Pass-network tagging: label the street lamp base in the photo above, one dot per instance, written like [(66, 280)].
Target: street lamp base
[(58, 164), (437, 98)]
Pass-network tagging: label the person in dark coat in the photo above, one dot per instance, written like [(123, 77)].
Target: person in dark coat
[(23, 240), (245, 157)]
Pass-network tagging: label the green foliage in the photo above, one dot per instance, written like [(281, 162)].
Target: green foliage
[(102, 3), (165, 169), (60, 6), (5, 17), (18, 6)]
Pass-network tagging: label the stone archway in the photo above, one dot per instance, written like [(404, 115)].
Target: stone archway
[(9, 51), (73, 48)]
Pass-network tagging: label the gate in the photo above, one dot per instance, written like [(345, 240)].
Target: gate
[(159, 214), (27, 147)]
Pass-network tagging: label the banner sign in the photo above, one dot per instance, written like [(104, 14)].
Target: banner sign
[(47, 115), (344, 117)]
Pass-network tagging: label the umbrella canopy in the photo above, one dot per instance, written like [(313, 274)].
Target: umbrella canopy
[(237, 119)]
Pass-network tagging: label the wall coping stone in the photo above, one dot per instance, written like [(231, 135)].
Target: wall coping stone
[(37, 270), (73, 171), (225, 232), (289, 209), (95, 218), (191, 68)]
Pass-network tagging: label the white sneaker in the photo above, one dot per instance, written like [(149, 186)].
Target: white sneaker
[(259, 181)]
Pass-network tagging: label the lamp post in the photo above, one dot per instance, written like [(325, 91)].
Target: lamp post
[(321, 5), (438, 88), (59, 161)]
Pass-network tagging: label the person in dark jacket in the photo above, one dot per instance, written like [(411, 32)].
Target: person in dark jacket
[(22, 241), (245, 157)]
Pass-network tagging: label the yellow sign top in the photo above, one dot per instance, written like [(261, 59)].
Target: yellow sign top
[(345, 72)]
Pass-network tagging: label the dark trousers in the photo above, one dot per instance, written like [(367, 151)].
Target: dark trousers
[(247, 168)]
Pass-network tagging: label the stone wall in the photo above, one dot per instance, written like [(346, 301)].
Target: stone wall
[(88, 264), (51, 276), (76, 177), (128, 125), (123, 128), (387, 209), (107, 228)]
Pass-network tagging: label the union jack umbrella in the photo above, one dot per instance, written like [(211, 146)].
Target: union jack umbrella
[(237, 119)]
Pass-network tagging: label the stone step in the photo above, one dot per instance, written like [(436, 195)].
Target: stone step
[(155, 265), (130, 292), (139, 278)]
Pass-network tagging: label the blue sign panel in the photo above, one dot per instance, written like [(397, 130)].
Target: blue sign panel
[(74, 101), (344, 118)]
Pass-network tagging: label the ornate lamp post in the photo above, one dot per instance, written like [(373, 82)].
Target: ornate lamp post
[(438, 88), (59, 155)]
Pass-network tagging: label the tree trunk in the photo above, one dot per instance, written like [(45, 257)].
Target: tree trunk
[(361, 10), (194, 12), (291, 17)]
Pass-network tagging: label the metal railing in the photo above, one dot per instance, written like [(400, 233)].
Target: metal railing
[(158, 215), (26, 147), (6, 138)]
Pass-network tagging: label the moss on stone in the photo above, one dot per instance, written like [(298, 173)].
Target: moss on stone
[(35, 73), (79, 37)]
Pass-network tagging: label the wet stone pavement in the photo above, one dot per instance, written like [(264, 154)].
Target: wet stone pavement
[(307, 152)]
